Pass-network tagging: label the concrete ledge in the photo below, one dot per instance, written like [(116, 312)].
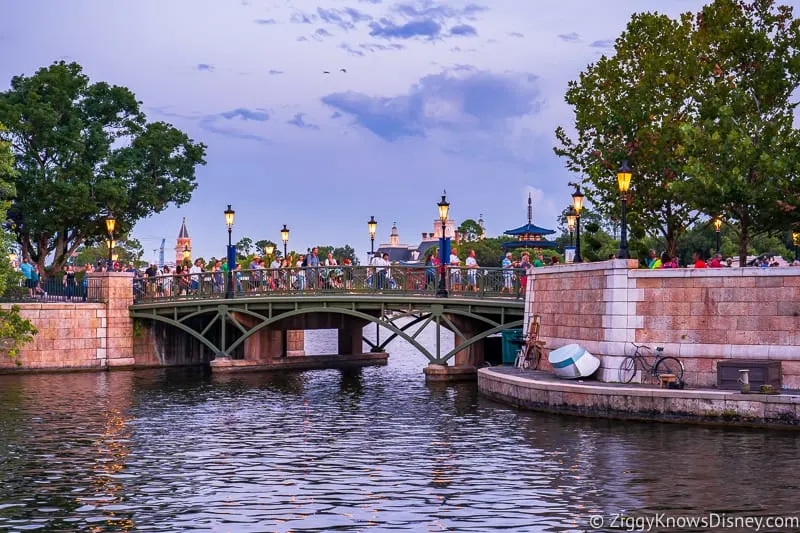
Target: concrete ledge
[(448, 374), (543, 392), (308, 362)]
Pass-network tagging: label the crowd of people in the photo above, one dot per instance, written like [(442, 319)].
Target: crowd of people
[(653, 261)]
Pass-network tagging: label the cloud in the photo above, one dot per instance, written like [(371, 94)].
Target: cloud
[(345, 18), (300, 123), (301, 39), (516, 34), (245, 114), (205, 67), (336, 115), (606, 43), (265, 22), (351, 50), (373, 2), (298, 17), (479, 101), (321, 33), (389, 30), (274, 72), (464, 30), (440, 13), (569, 37)]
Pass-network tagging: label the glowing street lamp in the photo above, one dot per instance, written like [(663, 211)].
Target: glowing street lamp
[(796, 242), (284, 238), (187, 253), (229, 216), (577, 206), (717, 228), (444, 209), (572, 217), (372, 224), (624, 175), (111, 224)]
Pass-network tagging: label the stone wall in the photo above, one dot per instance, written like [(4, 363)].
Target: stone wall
[(71, 336), (701, 316), (74, 336)]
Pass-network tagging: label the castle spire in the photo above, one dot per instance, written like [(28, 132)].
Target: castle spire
[(183, 233)]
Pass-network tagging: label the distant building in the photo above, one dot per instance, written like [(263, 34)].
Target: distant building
[(183, 242), (404, 253), (529, 235)]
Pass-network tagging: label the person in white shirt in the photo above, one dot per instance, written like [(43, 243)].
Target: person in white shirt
[(195, 271), (472, 271), (379, 277), (455, 270)]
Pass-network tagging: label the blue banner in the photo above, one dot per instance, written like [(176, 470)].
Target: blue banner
[(232, 257), (444, 250)]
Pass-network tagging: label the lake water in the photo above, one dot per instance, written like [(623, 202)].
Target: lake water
[(368, 450)]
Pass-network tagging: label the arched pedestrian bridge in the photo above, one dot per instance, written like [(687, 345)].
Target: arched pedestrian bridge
[(249, 314)]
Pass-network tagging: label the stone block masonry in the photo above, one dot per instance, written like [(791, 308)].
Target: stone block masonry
[(701, 316), (76, 336)]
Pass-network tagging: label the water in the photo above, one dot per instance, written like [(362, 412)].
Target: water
[(370, 450)]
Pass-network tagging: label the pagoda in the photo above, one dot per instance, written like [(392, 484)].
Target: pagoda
[(529, 235)]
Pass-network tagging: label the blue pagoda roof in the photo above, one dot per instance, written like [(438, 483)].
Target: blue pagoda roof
[(529, 229), (543, 243)]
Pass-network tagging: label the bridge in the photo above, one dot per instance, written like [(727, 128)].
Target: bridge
[(249, 314)]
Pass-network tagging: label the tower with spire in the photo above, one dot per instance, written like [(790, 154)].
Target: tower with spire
[(530, 235), (183, 242)]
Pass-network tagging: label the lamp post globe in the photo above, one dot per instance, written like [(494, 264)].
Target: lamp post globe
[(577, 206), (444, 210), (284, 238), (187, 254), (796, 242), (717, 229), (111, 225), (624, 175), (372, 225)]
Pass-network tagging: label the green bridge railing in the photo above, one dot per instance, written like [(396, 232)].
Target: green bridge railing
[(316, 281)]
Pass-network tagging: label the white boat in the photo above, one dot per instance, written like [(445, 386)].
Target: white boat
[(573, 361)]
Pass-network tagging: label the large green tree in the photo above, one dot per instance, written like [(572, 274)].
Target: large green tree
[(630, 106), (14, 330), (81, 150), (744, 150)]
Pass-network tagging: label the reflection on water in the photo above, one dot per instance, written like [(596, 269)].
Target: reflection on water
[(357, 450)]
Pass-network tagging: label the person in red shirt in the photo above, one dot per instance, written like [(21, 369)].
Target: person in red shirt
[(698, 262), (716, 261)]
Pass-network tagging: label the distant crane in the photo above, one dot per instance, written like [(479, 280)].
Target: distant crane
[(161, 254)]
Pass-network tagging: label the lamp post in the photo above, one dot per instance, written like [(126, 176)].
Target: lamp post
[(717, 228), (110, 244), (624, 182), (372, 224), (577, 205), (187, 254), (572, 216), (229, 216), (285, 239), (796, 242), (111, 224), (444, 208)]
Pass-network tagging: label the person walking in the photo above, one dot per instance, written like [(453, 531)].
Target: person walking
[(472, 272), (69, 282), (508, 274), (27, 270)]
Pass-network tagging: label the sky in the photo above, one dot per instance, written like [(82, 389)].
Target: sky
[(419, 97)]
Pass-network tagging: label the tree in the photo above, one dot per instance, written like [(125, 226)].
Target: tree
[(470, 230), (631, 106), (128, 251), (15, 331), (744, 149), (83, 149), (244, 246), (345, 252)]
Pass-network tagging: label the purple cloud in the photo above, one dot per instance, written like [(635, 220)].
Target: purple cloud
[(265, 22), (463, 30), (389, 30), (205, 67), (606, 43), (300, 123), (571, 37)]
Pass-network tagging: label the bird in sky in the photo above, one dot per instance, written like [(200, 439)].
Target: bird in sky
[(325, 72), (343, 70)]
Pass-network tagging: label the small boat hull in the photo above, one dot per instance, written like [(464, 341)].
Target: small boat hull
[(573, 361)]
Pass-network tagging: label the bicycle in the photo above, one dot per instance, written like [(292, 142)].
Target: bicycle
[(661, 365), (532, 350)]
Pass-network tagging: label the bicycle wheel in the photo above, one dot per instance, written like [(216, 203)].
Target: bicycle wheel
[(669, 365), (534, 356), (627, 369), (520, 360)]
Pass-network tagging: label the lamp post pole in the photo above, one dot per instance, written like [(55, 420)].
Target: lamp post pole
[(796, 241), (444, 207), (577, 206), (285, 239), (624, 181), (229, 216), (571, 218)]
